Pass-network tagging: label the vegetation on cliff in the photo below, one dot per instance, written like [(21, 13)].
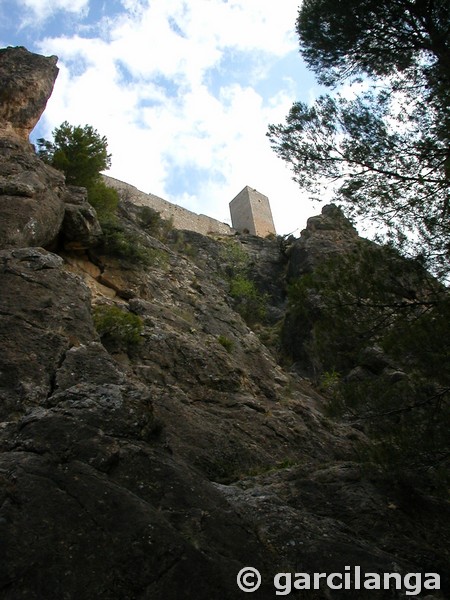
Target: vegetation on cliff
[(81, 153), (374, 330)]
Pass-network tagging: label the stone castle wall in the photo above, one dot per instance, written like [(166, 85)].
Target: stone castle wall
[(181, 217)]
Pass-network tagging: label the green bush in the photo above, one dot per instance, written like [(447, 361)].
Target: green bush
[(250, 304), (367, 298), (241, 287), (248, 301), (105, 200), (154, 224), (329, 383), (181, 245), (234, 258), (226, 343), (116, 325), (128, 245)]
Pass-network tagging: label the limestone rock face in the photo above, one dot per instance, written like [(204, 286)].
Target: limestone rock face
[(80, 229), (43, 309), (26, 83), (326, 235), (31, 206), (159, 470), (31, 197)]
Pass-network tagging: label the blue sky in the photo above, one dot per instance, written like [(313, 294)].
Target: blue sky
[(183, 91)]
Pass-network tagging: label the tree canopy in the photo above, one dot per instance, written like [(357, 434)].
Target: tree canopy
[(386, 151), (377, 38), (81, 153)]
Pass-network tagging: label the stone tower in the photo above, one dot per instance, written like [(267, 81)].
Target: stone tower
[(250, 212)]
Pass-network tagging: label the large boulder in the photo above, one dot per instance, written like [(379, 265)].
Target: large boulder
[(326, 236), (31, 198), (45, 312), (80, 229), (27, 82)]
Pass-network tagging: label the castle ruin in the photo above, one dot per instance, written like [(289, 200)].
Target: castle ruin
[(182, 218), (250, 213)]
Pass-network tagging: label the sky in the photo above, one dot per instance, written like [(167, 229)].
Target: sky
[(183, 90)]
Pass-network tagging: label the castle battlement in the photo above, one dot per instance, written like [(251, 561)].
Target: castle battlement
[(182, 218), (250, 211)]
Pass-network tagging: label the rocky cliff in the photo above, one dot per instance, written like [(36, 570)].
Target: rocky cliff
[(151, 445)]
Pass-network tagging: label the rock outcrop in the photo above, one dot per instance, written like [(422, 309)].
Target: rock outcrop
[(35, 205), (80, 229), (339, 269), (27, 82), (158, 468), (326, 236), (31, 197), (31, 204)]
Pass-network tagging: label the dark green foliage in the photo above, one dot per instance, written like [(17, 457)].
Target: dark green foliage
[(422, 341), (115, 325), (226, 343), (249, 302), (387, 152), (154, 224), (105, 200), (128, 245), (353, 301), (79, 152), (149, 218), (235, 259), (396, 176), (377, 38), (179, 244), (373, 303), (408, 423)]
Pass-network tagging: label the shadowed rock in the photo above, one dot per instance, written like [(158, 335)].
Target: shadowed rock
[(80, 228), (31, 205), (31, 197)]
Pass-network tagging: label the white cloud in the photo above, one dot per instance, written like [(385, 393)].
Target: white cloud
[(243, 24), (144, 84), (43, 9)]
